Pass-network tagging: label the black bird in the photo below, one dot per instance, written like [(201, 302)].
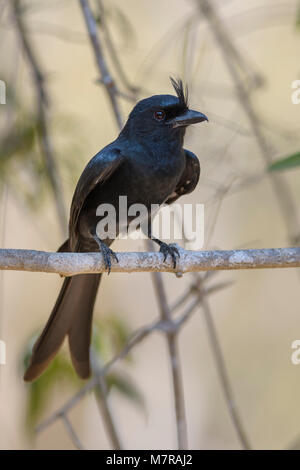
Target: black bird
[(148, 164)]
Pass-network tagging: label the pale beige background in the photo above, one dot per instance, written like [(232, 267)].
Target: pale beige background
[(258, 317)]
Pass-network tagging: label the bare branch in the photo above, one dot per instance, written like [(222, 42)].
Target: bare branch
[(221, 366), (113, 53), (105, 76), (69, 264), (71, 432), (41, 104), (171, 336), (103, 403), (198, 288), (136, 338), (229, 51)]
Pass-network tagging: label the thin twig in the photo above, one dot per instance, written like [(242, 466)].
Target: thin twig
[(42, 102), (193, 290), (229, 51), (221, 367), (71, 432), (135, 339), (75, 399), (105, 76), (171, 337), (112, 51), (103, 403), (181, 299), (3, 5)]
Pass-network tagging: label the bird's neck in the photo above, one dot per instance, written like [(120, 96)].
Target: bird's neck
[(170, 142)]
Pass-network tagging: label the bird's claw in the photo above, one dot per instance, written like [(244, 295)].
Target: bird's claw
[(108, 254), (171, 250)]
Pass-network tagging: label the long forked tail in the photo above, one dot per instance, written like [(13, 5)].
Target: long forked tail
[(71, 316)]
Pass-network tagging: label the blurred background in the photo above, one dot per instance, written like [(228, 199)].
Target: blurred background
[(240, 69)]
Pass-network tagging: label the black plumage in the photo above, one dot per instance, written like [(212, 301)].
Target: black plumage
[(148, 164)]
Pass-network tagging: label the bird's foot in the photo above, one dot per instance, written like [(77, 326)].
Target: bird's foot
[(107, 254), (171, 250)]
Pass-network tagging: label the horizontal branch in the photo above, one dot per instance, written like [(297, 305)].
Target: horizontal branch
[(69, 264)]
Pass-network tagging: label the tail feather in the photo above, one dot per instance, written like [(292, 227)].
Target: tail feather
[(72, 316), (80, 332), (51, 338)]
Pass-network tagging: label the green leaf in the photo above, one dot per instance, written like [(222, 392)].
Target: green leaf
[(18, 142), (110, 334), (119, 332), (124, 385), (286, 163), (40, 391)]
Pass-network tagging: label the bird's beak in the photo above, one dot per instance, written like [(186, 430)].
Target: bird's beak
[(187, 118)]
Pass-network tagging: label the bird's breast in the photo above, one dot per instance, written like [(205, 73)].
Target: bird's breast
[(142, 180), (155, 178)]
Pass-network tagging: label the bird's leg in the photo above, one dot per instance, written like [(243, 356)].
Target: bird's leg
[(168, 249), (107, 253), (165, 248)]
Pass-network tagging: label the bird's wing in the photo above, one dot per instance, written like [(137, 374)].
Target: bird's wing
[(189, 178), (98, 171)]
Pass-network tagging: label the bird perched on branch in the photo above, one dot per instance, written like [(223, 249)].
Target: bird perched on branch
[(146, 163)]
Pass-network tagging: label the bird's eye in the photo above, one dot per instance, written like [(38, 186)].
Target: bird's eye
[(159, 115)]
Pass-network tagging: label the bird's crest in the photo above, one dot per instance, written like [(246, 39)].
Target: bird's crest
[(181, 91)]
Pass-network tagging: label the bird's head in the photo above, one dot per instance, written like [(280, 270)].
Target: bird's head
[(163, 116)]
